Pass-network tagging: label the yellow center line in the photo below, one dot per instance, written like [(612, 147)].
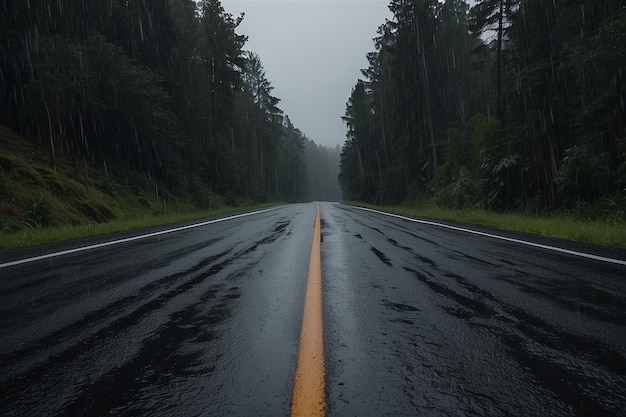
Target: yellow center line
[(308, 392)]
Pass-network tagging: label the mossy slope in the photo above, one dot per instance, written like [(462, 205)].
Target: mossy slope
[(34, 196)]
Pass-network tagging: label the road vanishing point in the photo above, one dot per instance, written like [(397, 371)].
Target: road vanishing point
[(313, 310)]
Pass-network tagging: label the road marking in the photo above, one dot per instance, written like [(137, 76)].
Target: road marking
[(308, 392), (128, 239), (508, 239)]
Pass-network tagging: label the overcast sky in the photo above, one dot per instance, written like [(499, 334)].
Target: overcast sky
[(312, 52)]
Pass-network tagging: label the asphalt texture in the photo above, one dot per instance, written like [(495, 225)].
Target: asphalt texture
[(419, 320)]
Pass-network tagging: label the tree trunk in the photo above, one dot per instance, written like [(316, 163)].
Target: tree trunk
[(499, 62), (380, 181), (52, 157), (262, 180), (428, 113)]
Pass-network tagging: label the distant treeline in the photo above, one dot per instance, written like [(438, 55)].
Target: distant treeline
[(508, 105), (159, 87), (323, 169)]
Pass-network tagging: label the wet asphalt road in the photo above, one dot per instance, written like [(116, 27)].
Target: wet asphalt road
[(418, 321)]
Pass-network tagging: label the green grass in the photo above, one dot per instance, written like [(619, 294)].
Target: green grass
[(39, 204), (40, 235), (564, 226)]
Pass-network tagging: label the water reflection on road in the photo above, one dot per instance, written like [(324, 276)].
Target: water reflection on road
[(418, 320)]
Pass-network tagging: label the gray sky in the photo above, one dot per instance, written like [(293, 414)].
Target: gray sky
[(312, 52)]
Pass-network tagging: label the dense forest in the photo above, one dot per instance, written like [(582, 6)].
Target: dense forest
[(505, 105), (163, 88)]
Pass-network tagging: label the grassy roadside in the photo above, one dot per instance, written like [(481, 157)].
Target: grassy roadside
[(75, 199), (560, 226), (36, 236)]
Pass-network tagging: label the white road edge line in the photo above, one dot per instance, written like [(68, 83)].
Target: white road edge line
[(128, 239), (508, 239)]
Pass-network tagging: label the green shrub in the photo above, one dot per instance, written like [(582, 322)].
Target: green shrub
[(5, 187), (462, 192), (39, 215), (202, 196)]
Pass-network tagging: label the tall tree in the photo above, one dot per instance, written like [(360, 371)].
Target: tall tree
[(356, 177), (494, 15)]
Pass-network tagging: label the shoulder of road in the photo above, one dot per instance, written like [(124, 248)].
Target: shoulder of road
[(12, 255), (8, 256), (564, 245)]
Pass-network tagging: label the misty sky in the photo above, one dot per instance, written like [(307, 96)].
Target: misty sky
[(312, 52)]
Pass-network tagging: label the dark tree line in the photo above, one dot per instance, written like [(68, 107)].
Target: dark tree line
[(160, 87), (510, 104), (322, 164)]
